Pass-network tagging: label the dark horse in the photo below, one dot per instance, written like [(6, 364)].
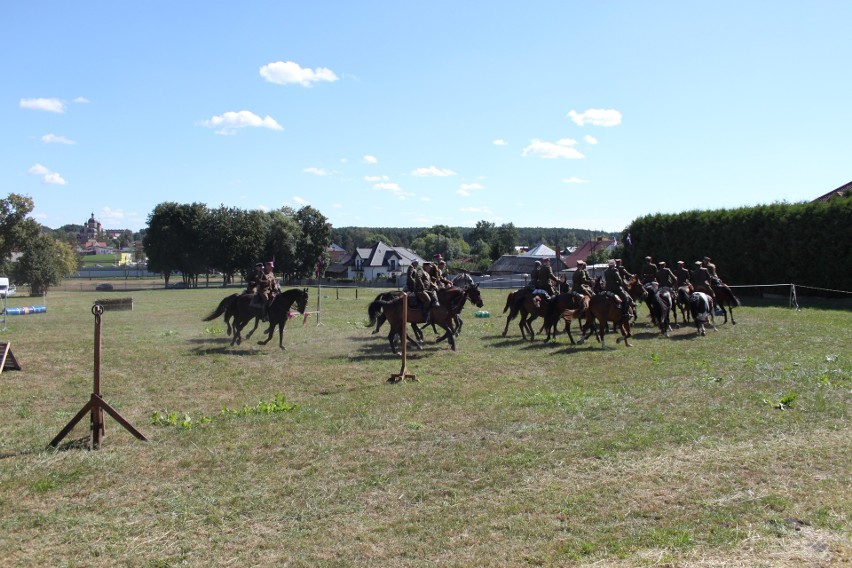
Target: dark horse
[(603, 308), (567, 306), (228, 307), (451, 302), (682, 300), (725, 297), (279, 313)]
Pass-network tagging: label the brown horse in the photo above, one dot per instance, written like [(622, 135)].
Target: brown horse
[(529, 305), (451, 301), (568, 306), (725, 297), (278, 312), (603, 309)]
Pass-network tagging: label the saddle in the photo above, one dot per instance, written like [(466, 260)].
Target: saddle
[(612, 296)]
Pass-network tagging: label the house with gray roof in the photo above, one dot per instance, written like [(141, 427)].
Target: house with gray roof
[(379, 262)]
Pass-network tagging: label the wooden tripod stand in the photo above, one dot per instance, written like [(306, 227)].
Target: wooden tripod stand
[(96, 404), (403, 372)]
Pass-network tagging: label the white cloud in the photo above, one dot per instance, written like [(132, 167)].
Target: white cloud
[(109, 214), (54, 139), (47, 177), (289, 72), (376, 178), (551, 150), (590, 139), (82, 100), (230, 121), (47, 105), (300, 200), (575, 179), (500, 142), (337, 205), (316, 171), (465, 188), (596, 117), (432, 171), (370, 159), (393, 188)]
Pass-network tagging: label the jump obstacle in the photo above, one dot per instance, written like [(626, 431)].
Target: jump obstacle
[(97, 405), (25, 310)]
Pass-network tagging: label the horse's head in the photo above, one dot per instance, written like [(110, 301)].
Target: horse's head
[(474, 295), (636, 290), (302, 300)]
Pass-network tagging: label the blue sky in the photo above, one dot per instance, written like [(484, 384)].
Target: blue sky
[(409, 114)]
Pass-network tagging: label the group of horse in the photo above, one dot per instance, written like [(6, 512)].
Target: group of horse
[(398, 307), (596, 312)]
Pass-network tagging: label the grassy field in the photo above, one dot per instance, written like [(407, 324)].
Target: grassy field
[(727, 450)]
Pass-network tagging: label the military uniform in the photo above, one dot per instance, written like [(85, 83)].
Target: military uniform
[(421, 285), (545, 279), (711, 268), (649, 271), (581, 282), (665, 277), (615, 284), (623, 272), (701, 279), (681, 273)]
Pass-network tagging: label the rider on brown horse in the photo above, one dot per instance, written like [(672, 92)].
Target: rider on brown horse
[(581, 281), (266, 289), (421, 284), (615, 284)]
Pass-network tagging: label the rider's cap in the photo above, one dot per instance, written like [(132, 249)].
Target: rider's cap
[(697, 262), (611, 262), (537, 263), (583, 262), (707, 258), (415, 262), (662, 263), (680, 262), (438, 256), (259, 265), (547, 259), (647, 258)]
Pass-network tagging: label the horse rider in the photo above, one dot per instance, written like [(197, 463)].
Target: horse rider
[(681, 273), (622, 271), (649, 271), (711, 268), (436, 272), (615, 284), (423, 289), (701, 279), (580, 280), (545, 279), (267, 288), (253, 278), (665, 277)]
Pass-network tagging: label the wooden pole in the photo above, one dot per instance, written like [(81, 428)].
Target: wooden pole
[(403, 371), (97, 405)]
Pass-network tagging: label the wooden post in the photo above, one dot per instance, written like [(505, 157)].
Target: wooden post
[(403, 372), (97, 405)]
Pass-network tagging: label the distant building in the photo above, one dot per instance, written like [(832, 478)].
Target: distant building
[(839, 192)]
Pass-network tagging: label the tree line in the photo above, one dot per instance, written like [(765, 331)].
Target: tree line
[(808, 244), (193, 239)]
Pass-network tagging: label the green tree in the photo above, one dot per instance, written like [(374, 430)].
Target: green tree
[(504, 241), (282, 235), (313, 246), (174, 240), (484, 231), (16, 229), (44, 262)]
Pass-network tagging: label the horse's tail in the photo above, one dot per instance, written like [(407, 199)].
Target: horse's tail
[(509, 301), (734, 299), (374, 309), (221, 308)]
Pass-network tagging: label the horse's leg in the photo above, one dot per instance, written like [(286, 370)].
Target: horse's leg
[(379, 321), (256, 323), (459, 323), (512, 314), (281, 325)]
